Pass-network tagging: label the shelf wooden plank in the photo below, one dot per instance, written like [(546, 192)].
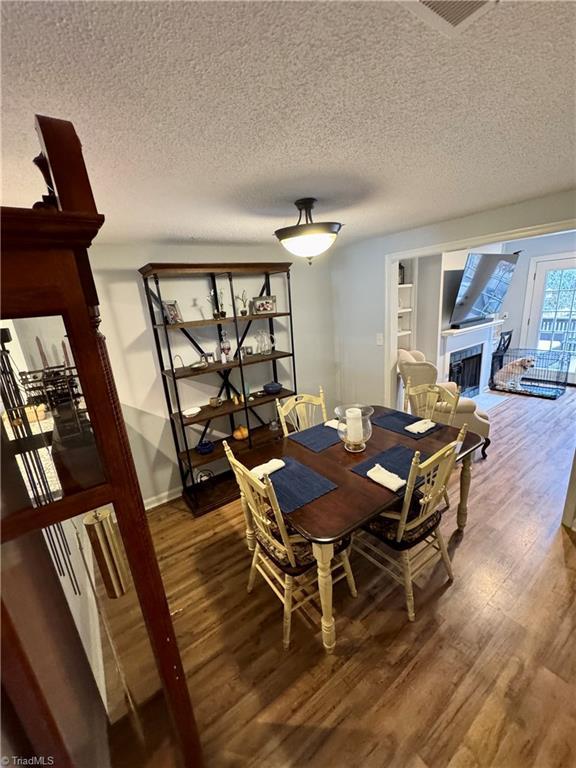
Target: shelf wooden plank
[(188, 372), (221, 321), (405, 285), (404, 333), (207, 412), (260, 436), (404, 310), (185, 270)]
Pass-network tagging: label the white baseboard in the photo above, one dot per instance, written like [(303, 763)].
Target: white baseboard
[(162, 498)]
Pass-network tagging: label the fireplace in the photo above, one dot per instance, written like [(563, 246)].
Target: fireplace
[(465, 367)]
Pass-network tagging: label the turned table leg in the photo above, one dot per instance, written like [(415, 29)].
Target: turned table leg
[(465, 478), (324, 554)]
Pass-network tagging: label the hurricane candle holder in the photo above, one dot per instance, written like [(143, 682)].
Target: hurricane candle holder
[(354, 426)]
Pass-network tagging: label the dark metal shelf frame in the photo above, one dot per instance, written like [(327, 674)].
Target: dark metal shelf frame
[(203, 496)]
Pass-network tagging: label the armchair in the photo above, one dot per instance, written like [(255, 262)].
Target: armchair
[(412, 364)]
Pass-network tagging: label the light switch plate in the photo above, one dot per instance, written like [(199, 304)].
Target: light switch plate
[(379, 339)]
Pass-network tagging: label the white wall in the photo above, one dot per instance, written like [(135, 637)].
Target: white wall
[(537, 246), (361, 278), (126, 325), (429, 291), (359, 284)]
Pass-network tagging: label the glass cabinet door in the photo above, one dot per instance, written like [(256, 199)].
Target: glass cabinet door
[(49, 448)]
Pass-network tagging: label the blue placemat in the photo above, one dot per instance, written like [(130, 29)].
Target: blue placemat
[(297, 485), (395, 422), (316, 438), (397, 460)]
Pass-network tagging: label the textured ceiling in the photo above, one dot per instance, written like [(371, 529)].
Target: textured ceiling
[(207, 119)]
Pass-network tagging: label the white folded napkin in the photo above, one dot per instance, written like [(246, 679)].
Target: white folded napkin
[(420, 426), (267, 468), (388, 479), (333, 423)]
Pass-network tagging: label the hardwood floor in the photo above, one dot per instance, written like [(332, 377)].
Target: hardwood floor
[(484, 677)]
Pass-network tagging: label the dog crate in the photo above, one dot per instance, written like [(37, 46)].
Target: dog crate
[(535, 372)]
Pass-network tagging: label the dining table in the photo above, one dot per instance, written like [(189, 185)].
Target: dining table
[(356, 499)]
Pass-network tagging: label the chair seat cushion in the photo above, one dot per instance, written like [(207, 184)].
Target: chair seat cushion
[(385, 529), (302, 549)]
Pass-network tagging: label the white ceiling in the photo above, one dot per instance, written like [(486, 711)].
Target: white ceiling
[(207, 119)]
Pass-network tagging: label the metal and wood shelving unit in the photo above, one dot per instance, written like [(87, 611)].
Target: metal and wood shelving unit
[(205, 495)]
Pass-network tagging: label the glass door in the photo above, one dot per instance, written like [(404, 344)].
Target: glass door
[(552, 321)]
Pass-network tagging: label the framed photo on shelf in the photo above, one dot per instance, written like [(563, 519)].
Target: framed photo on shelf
[(172, 312), (263, 305)]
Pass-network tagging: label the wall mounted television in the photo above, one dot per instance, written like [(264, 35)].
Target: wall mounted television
[(483, 286)]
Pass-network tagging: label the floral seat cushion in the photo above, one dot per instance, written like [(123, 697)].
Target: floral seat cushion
[(302, 549), (385, 529)]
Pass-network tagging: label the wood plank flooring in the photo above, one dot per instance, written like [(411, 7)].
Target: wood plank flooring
[(486, 676)]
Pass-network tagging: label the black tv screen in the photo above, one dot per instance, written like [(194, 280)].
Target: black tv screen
[(483, 287)]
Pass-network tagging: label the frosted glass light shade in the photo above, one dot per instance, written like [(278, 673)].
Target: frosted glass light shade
[(309, 245), (308, 240)]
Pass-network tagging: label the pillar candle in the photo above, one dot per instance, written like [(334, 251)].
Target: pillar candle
[(354, 425)]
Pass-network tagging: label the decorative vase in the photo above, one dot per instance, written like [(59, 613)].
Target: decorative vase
[(216, 314), (243, 312), (222, 313), (354, 426)]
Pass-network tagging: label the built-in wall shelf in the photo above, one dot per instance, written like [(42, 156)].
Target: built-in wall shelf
[(406, 305)]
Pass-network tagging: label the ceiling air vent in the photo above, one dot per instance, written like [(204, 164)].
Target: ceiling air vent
[(449, 16)]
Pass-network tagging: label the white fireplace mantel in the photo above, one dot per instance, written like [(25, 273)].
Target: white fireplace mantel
[(455, 339)]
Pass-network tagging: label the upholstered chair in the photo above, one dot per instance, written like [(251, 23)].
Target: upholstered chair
[(412, 364)]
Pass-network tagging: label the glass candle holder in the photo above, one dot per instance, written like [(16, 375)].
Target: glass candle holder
[(354, 426)]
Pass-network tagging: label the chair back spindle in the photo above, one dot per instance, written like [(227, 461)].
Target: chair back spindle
[(300, 412), (435, 473), (263, 506), (421, 399)]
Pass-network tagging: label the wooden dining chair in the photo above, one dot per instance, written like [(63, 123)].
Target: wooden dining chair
[(282, 557), (301, 412), (421, 400), (409, 539), (435, 402), (447, 405)]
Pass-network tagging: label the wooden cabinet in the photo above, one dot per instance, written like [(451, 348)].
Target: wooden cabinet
[(46, 274)]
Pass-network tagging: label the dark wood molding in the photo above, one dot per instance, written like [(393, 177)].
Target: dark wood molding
[(30, 519), (34, 228)]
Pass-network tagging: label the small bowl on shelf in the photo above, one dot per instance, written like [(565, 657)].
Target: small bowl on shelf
[(272, 388), (204, 447)]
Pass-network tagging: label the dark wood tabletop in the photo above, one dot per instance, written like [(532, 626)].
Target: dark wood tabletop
[(357, 498)]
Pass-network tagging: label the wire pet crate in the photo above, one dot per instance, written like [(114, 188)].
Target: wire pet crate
[(536, 372)]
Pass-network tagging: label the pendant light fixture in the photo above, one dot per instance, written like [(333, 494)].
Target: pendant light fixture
[(308, 239)]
